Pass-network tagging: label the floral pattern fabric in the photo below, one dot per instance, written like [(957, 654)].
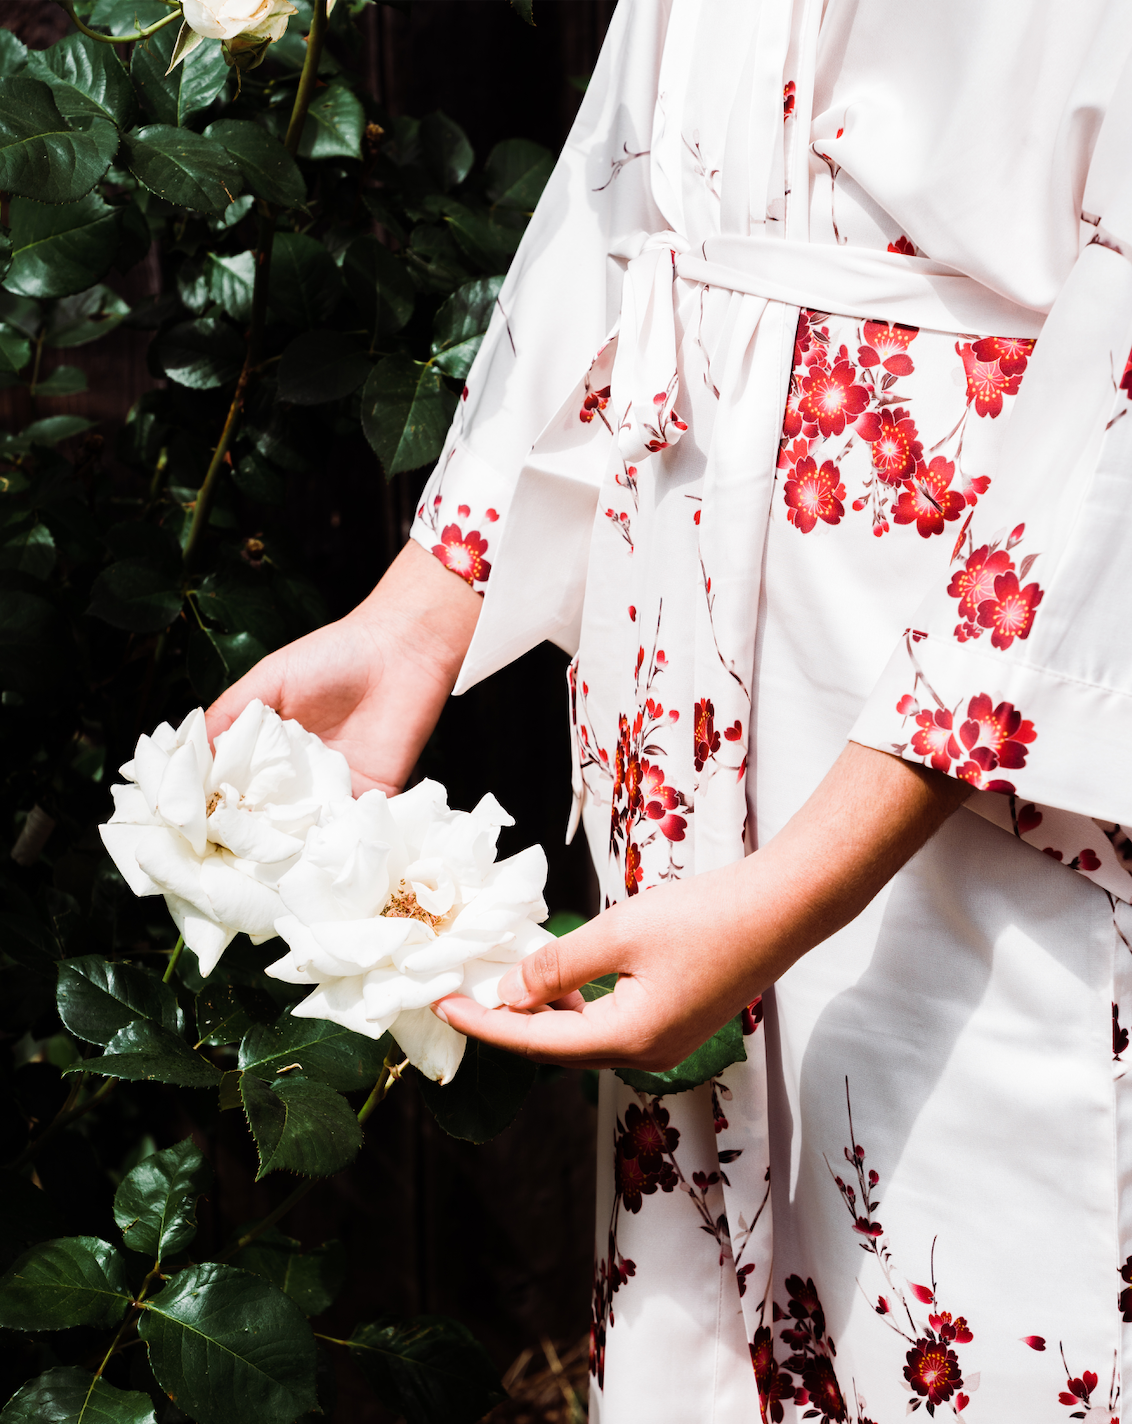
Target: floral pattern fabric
[(808, 523)]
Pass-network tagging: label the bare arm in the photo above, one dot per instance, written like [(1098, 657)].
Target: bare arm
[(373, 684), (692, 954)]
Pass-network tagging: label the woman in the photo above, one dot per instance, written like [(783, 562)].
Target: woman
[(837, 549)]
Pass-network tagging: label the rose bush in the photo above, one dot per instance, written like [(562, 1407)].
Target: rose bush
[(214, 833), (395, 903)]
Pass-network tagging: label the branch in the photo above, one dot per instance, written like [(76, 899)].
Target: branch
[(68, 5)]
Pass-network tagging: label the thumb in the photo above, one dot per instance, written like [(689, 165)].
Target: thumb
[(560, 967)]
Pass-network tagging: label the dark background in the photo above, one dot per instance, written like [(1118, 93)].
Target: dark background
[(499, 1236)]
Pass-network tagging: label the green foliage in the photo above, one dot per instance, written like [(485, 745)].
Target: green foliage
[(229, 1346), (67, 1395), (143, 572), (155, 1207), (427, 1368), (719, 1052), (77, 1280)]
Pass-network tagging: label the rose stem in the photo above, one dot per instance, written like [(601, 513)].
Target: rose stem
[(173, 958)]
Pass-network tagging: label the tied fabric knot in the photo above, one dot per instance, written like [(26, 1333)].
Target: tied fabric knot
[(645, 381)]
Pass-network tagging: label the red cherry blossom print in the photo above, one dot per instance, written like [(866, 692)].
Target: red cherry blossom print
[(1011, 352), (996, 736), (594, 403), (464, 511), (1029, 819), (823, 1390), (1035, 1342), (753, 1016), (792, 420), (831, 398), (814, 494), (927, 501), (892, 434), (634, 871), (789, 92), (774, 1384), (464, 555), (974, 583), (886, 344), (1087, 860), (933, 1371), (971, 486), (803, 339), (1126, 379), (904, 246), (987, 382), (1011, 611), (705, 737), (490, 515), (661, 802), (936, 739), (923, 1293)]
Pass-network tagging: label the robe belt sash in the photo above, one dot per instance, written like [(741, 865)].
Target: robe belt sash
[(551, 516)]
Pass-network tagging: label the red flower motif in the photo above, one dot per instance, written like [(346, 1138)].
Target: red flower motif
[(974, 583), (831, 398), (995, 736), (1079, 1389), (463, 555), (1126, 379), (904, 245), (926, 499), (814, 494), (892, 434), (987, 382), (753, 1016), (933, 1371), (923, 1293), (935, 739), (788, 93), (661, 802), (1011, 611), (886, 344), (1011, 352), (594, 402), (774, 1385), (1035, 1342), (823, 1390), (490, 515), (648, 1136), (705, 738), (634, 873)]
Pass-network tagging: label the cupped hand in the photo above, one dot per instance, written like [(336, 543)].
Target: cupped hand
[(372, 684)]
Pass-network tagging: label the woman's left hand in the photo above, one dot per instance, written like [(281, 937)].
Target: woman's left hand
[(690, 955)]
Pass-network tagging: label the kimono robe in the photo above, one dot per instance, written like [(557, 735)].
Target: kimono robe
[(804, 417)]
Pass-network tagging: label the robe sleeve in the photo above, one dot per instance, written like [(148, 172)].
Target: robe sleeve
[(555, 310), (1016, 671)]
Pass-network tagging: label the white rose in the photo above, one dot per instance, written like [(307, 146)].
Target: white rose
[(224, 19), (395, 903), (213, 834)]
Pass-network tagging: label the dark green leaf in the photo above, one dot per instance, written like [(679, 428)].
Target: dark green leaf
[(434, 255), (598, 988), (57, 251), (321, 366), (85, 317), (201, 354), (192, 86), (183, 167), (305, 284), (15, 351), (516, 172), (32, 551), (269, 170), (229, 1346), (24, 618), (325, 1051), (225, 1012), (20, 313), (488, 239), (231, 282), (75, 1280), (47, 432), (311, 1278), (243, 601), (217, 660), (525, 9), (460, 324), (406, 410), (41, 155), (259, 480), (63, 381), (379, 285), (300, 1126), (69, 1395), (145, 1050), (335, 124), (136, 237), (96, 998), (88, 80), (13, 54), (564, 922), (446, 151), (156, 1204), (136, 595), (485, 1095), (721, 1050), (124, 17), (428, 1368)]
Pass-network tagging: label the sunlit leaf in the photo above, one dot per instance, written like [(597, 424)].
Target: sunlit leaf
[(75, 1280), (70, 1395), (311, 1278), (96, 998), (155, 1206), (406, 411), (516, 172), (300, 1126), (183, 167), (325, 1051), (335, 124), (88, 79), (145, 1050), (269, 170), (192, 86), (459, 325), (41, 154), (60, 250)]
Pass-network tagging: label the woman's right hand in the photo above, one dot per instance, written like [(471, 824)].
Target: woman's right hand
[(373, 684)]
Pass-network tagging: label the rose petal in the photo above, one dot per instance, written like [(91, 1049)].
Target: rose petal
[(341, 1001), (433, 884), (131, 808), (180, 797), (528, 938), (430, 1045), (149, 767), (250, 835), (238, 900), (414, 811), (234, 749), (204, 936), (481, 982), (122, 842), (168, 860), (387, 991), (294, 968)]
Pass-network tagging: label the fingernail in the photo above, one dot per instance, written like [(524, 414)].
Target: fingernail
[(512, 990), (439, 1012)]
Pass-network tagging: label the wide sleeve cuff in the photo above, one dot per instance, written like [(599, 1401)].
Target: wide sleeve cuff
[(460, 515)]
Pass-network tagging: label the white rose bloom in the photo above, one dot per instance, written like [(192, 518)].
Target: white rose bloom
[(213, 834), (225, 19), (395, 903)]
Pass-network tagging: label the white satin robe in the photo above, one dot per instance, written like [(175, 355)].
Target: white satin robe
[(761, 435)]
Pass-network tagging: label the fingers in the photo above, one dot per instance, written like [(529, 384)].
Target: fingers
[(581, 1039), (263, 682), (559, 968)]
